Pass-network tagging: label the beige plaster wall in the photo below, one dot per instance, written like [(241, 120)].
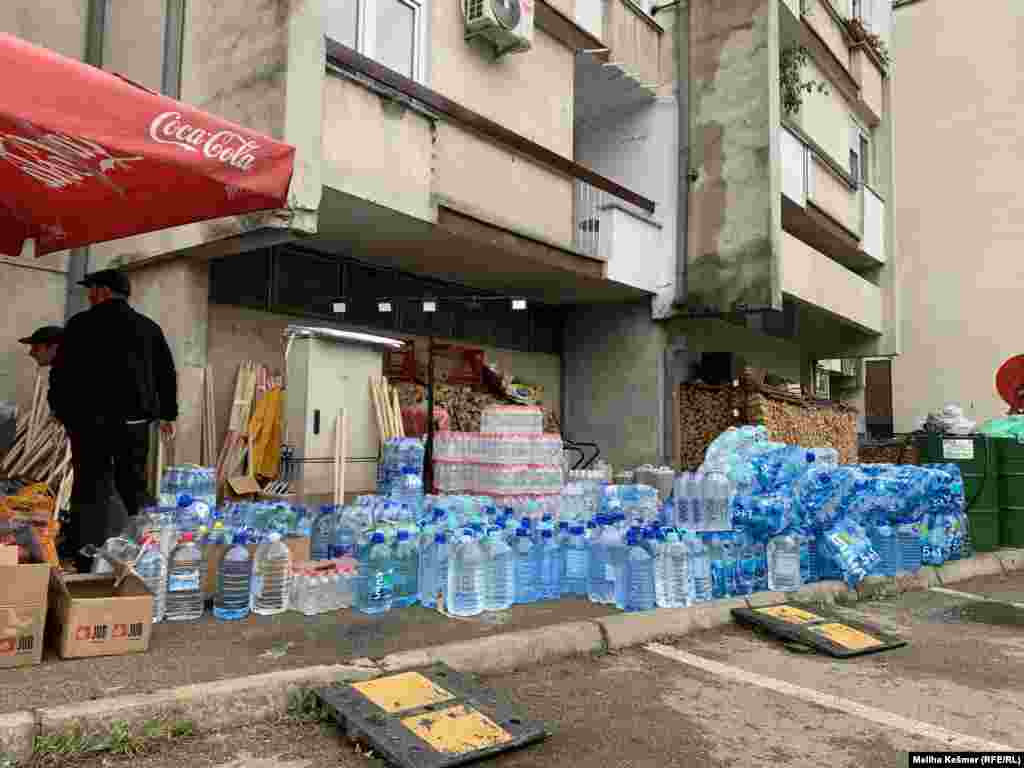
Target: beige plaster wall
[(960, 225), (376, 149)]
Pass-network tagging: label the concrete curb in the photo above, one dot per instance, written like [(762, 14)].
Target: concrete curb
[(230, 703)]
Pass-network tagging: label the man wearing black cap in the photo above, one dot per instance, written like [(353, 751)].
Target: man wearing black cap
[(43, 344), (114, 375)]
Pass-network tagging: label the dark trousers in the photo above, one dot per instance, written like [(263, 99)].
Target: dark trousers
[(109, 461)]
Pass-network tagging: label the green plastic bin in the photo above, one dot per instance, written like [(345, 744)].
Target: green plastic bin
[(1009, 464), (975, 455)]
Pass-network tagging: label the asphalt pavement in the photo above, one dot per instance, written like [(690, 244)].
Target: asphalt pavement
[(721, 697)]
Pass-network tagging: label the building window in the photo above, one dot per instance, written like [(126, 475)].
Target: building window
[(387, 31), (860, 155)]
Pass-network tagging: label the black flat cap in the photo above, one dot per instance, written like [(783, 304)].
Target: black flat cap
[(113, 279), (48, 334)]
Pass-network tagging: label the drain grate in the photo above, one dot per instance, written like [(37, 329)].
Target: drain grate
[(433, 717)]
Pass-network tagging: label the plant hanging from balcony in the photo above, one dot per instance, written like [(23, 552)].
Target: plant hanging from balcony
[(792, 62), (863, 36)]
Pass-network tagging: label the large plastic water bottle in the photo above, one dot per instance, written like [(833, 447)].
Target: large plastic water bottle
[(677, 575), (550, 566), (376, 577), (761, 574), (717, 491), (784, 563), (639, 569), (576, 570), (808, 558), (433, 569), (323, 533), (152, 569), (908, 539), (527, 576), (466, 578), (695, 496), (500, 582), (185, 582), (700, 570), (597, 562), (407, 563), (234, 582), (272, 574), (746, 566), (618, 554)]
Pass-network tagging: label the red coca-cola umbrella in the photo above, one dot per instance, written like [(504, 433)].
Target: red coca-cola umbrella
[(87, 156)]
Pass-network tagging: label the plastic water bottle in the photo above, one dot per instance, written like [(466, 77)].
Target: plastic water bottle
[(883, 539), (527, 576), (433, 569), (234, 582), (717, 492), (500, 582), (272, 574), (152, 569), (376, 577), (784, 563), (598, 562), (466, 576), (407, 564), (576, 570), (700, 568), (746, 566), (323, 533), (695, 496), (675, 571), (185, 582), (550, 566), (618, 555), (908, 539), (808, 558), (761, 574), (639, 569)]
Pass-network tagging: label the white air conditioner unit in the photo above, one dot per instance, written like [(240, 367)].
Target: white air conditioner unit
[(506, 24)]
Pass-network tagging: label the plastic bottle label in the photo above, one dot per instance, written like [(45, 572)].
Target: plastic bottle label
[(257, 585), (183, 582)]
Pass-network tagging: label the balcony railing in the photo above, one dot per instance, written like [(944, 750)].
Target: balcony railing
[(807, 176)]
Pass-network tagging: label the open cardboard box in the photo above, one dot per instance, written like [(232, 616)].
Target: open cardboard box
[(100, 615), (23, 592)]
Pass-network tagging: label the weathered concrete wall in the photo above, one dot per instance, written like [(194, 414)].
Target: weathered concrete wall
[(175, 295), (734, 207), (238, 334), (260, 65), (529, 93), (614, 381), (34, 297), (55, 24), (376, 149)]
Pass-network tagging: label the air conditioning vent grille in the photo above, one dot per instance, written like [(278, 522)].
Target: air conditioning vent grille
[(474, 10)]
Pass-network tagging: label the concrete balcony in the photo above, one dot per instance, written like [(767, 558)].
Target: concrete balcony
[(813, 278), (822, 206), (630, 242), (872, 84)]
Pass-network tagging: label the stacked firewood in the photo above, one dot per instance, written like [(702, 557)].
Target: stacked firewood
[(41, 452)]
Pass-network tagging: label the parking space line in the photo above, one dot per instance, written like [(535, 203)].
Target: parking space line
[(969, 596), (915, 728)]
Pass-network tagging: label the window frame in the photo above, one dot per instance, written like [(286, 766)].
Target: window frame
[(861, 169), (366, 34)]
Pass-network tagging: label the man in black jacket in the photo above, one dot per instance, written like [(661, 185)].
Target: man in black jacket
[(114, 375)]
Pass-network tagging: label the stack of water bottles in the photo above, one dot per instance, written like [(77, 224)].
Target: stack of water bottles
[(510, 456), (188, 481), (400, 456)]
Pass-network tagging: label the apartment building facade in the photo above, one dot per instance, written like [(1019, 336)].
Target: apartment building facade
[(631, 174), (960, 224)]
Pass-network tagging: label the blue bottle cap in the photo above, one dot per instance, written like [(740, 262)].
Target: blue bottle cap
[(576, 530), (563, 525), (545, 534), (403, 535), (440, 538), (522, 533), (377, 538), (184, 501), (810, 457)]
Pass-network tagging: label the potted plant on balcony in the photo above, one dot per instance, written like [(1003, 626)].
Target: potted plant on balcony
[(864, 37)]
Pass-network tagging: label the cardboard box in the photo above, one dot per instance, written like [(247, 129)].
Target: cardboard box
[(23, 593), (100, 615), (299, 546)]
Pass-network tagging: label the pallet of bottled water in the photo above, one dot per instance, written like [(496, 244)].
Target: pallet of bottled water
[(499, 447), (512, 418), (400, 456), (188, 482), (497, 479), (323, 586)]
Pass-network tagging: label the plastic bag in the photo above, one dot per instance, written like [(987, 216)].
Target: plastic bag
[(1011, 426)]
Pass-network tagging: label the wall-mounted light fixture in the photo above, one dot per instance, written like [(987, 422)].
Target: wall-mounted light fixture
[(383, 306)]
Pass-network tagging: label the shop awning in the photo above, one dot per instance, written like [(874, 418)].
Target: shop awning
[(87, 156)]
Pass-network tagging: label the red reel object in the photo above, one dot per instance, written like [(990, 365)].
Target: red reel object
[(1010, 379)]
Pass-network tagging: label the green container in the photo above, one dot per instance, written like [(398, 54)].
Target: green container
[(975, 455), (1009, 463)]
